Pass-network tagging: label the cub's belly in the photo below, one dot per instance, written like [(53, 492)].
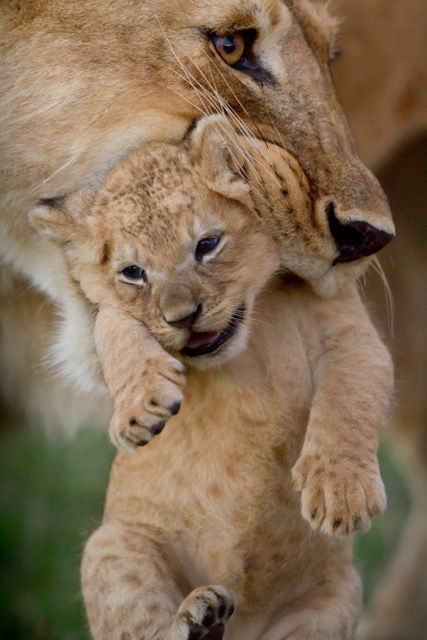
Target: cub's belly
[(223, 510), (214, 489)]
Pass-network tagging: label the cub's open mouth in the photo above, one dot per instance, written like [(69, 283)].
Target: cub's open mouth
[(200, 344)]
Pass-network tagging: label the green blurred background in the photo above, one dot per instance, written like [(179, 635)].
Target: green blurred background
[(52, 494)]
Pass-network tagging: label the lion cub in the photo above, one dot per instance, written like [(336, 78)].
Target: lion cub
[(184, 253)]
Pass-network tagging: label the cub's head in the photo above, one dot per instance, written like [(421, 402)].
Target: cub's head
[(171, 238)]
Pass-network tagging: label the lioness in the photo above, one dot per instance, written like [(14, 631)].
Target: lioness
[(83, 83), (178, 240)]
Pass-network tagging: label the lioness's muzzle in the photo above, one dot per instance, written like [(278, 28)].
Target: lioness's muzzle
[(356, 239)]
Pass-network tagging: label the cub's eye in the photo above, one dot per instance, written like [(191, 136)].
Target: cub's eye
[(134, 273), (231, 48), (205, 246)]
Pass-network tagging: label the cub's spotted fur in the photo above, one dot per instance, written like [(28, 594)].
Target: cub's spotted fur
[(284, 390)]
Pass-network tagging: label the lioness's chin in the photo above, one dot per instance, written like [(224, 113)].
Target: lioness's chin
[(339, 277)]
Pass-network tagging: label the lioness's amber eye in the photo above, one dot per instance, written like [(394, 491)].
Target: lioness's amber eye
[(134, 273), (230, 48)]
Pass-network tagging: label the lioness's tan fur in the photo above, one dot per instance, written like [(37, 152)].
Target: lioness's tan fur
[(82, 84)]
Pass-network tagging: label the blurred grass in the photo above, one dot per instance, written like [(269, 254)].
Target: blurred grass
[(51, 499), (374, 549)]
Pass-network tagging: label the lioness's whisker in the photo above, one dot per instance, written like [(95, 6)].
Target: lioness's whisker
[(188, 76), (245, 111), (247, 156), (254, 141), (160, 84), (52, 175), (211, 97), (377, 267), (239, 122), (242, 175), (202, 98)]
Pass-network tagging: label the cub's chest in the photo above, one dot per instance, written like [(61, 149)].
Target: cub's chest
[(228, 452), (240, 427)]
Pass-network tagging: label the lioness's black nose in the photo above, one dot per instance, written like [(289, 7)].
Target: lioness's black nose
[(355, 239), (186, 322)]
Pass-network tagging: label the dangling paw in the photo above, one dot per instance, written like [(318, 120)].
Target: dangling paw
[(203, 615), (340, 494), (147, 400)]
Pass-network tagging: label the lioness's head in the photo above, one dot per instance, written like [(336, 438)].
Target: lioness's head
[(265, 64), (134, 71)]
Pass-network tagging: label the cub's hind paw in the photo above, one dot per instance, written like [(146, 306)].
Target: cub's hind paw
[(339, 494), (145, 403), (203, 615)]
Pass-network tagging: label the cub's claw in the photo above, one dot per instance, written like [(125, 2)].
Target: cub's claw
[(339, 494), (203, 615), (146, 401)]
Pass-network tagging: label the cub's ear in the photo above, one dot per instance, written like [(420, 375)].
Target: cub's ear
[(215, 148), (64, 218)]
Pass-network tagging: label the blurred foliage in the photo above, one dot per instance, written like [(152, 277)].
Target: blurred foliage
[(51, 499), (374, 549)]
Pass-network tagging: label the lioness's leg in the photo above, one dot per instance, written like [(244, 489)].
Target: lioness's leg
[(131, 594), (330, 614)]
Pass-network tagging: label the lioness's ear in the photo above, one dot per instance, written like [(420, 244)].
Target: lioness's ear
[(214, 147)]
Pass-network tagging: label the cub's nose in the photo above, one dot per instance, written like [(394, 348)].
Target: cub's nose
[(186, 321), (355, 239)]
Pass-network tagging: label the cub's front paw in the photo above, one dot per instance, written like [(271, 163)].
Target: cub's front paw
[(340, 494), (146, 401), (203, 615)]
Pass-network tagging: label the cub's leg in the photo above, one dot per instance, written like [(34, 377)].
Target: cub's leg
[(337, 472), (145, 382), (331, 613), (131, 594), (127, 590)]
